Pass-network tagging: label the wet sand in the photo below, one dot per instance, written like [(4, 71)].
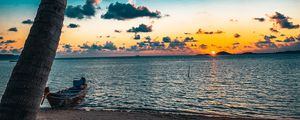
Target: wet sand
[(119, 115)]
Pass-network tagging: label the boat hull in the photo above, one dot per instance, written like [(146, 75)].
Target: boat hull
[(57, 100)]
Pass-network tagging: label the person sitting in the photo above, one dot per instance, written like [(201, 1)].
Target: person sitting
[(83, 85), (83, 80), (79, 83)]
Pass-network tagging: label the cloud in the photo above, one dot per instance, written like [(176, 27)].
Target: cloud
[(247, 46), (267, 43), (11, 51), (120, 11), (166, 44), (148, 38), (278, 40), (274, 30), (16, 51), (233, 20), (13, 29), (133, 48), (72, 25), (290, 47), (7, 42), (260, 19), (141, 28), (137, 37), (200, 31), (93, 47), (67, 48), (270, 37), (236, 35), (289, 39), (166, 39), (189, 39), (219, 32), (157, 45), (283, 21), (28, 21), (142, 44), (86, 11), (167, 15), (109, 46), (118, 31), (177, 44), (203, 46), (236, 43)]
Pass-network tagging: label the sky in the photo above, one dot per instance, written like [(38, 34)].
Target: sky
[(160, 27)]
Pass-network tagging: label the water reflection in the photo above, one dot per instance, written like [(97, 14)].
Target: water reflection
[(215, 91)]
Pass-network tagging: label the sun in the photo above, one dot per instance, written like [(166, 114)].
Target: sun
[(213, 53)]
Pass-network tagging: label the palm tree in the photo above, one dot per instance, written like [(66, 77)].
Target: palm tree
[(22, 97)]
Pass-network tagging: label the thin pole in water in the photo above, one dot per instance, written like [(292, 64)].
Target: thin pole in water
[(189, 70)]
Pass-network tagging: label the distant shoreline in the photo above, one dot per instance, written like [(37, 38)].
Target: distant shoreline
[(205, 55), (223, 53)]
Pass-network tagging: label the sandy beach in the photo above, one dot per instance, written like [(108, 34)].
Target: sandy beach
[(119, 115)]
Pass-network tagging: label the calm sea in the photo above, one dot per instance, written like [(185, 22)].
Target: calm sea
[(236, 86)]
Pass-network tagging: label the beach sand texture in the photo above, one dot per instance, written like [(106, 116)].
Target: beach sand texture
[(119, 115)]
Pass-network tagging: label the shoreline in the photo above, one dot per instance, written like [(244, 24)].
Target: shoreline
[(57, 114)]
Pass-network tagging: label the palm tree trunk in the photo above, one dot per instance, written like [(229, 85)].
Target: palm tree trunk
[(22, 97)]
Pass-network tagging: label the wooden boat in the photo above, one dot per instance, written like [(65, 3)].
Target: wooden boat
[(67, 98)]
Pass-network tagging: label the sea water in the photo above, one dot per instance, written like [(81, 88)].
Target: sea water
[(237, 86)]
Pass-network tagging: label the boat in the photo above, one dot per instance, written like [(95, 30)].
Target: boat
[(68, 98)]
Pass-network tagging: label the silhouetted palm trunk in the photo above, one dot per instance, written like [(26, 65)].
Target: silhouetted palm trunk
[(22, 97)]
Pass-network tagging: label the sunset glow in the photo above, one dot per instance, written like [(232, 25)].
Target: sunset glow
[(149, 59), (213, 53), (161, 27)]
